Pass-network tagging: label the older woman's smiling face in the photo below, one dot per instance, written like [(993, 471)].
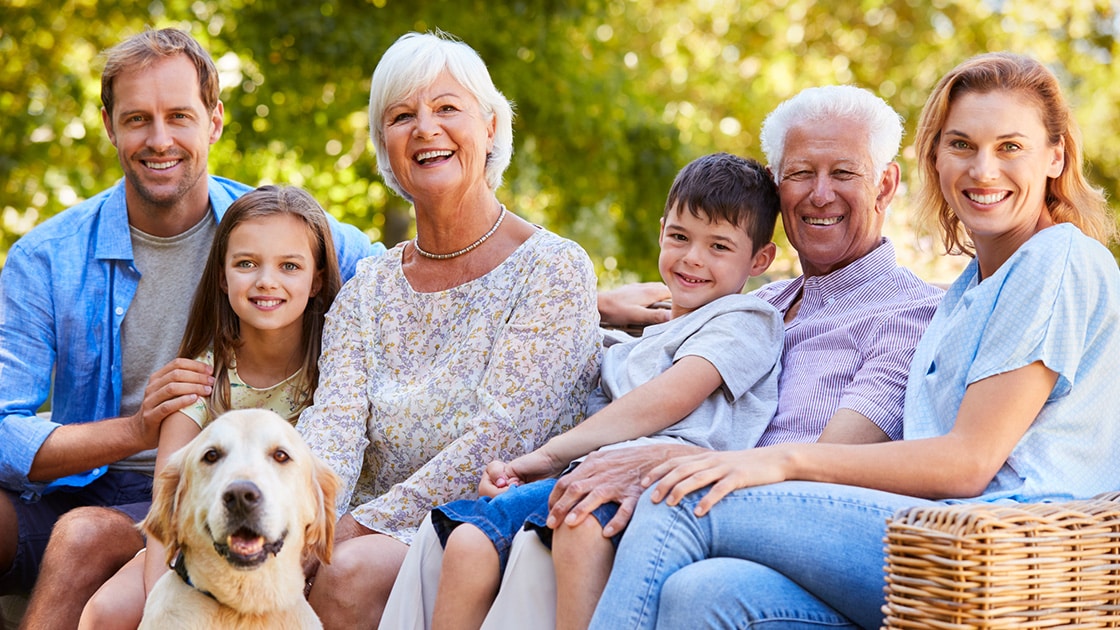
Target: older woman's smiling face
[(437, 139)]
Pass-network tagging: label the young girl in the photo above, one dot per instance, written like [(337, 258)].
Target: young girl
[(257, 318)]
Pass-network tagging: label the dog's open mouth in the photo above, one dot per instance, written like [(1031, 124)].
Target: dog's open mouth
[(246, 549)]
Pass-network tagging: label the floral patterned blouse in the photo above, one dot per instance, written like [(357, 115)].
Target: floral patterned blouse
[(283, 397), (419, 391)]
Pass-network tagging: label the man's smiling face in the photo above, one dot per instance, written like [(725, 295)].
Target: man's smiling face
[(162, 130), (833, 201)]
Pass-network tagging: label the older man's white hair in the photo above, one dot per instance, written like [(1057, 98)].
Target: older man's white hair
[(832, 102)]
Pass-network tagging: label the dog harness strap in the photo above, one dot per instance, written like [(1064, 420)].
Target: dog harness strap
[(180, 568)]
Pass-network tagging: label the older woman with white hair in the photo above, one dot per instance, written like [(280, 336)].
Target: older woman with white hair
[(477, 340)]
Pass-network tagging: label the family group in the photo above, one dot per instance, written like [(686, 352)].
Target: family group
[(505, 460)]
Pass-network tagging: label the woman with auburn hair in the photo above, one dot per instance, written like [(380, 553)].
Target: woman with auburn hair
[(1009, 396), (1070, 197)]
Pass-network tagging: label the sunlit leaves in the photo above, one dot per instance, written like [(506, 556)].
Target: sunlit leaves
[(613, 96)]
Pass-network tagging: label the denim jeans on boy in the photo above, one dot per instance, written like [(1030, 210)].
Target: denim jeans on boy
[(794, 554)]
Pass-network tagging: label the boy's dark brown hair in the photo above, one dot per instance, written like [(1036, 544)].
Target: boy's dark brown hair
[(725, 187)]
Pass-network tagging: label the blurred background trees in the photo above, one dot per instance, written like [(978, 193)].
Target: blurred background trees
[(612, 96)]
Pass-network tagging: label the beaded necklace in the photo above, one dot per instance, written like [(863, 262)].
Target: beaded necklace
[(480, 241)]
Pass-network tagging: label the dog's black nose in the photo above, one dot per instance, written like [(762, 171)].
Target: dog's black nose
[(241, 497)]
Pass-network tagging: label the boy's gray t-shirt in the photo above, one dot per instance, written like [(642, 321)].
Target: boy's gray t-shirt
[(741, 335)]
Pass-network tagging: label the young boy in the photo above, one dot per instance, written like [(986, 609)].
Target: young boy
[(707, 377)]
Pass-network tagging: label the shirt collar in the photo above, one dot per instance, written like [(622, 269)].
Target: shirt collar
[(113, 239), (833, 286)]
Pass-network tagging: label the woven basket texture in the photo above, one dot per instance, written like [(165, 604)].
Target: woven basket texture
[(1040, 565)]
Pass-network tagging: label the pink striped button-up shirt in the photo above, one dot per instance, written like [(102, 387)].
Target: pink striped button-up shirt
[(849, 345)]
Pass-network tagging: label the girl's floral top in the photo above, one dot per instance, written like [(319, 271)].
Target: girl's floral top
[(282, 397), (419, 391)]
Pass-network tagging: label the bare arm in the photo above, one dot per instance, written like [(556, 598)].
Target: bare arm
[(612, 476), (74, 448), (174, 433), (993, 416), (851, 427), (651, 407)]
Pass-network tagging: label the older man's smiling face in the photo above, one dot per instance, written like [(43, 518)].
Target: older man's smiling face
[(833, 201)]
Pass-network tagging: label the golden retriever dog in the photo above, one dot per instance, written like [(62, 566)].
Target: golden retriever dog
[(239, 508)]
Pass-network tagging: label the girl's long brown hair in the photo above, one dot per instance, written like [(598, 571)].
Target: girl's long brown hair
[(212, 323)]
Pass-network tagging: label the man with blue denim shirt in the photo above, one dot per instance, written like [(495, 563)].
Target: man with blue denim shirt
[(95, 300)]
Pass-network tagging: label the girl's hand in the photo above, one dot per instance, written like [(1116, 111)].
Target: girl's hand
[(724, 471)]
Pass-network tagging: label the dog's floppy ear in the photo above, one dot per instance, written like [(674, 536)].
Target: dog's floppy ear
[(319, 537), (162, 520)]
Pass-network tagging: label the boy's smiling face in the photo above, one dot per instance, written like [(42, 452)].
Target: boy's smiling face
[(704, 260)]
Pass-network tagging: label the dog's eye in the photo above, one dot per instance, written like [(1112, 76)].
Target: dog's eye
[(280, 456), (211, 455)]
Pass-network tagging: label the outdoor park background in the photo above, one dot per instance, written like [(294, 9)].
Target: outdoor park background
[(612, 96)]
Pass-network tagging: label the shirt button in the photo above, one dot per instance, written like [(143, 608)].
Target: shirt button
[(120, 311)]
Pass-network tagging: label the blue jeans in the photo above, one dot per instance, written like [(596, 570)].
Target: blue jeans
[(794, 554), (501, 517)]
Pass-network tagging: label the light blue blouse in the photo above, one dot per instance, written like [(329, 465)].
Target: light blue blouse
[(1056, 300)]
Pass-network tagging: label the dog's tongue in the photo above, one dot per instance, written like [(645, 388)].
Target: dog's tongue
[(244, 544)]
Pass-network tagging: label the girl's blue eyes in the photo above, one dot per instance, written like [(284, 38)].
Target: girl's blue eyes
[(246, 264)]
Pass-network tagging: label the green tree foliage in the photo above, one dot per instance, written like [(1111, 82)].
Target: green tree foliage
[(612, 96)]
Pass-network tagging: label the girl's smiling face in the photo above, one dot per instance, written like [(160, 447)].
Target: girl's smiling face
[(270, 274), (994, 163)]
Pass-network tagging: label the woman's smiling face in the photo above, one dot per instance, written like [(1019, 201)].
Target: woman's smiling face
[(994, 164), (438, 138)]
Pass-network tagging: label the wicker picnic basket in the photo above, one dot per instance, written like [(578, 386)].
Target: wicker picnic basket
[(978, 565)]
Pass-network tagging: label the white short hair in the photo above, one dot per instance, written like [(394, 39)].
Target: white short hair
[(414, 61), (884, 125)]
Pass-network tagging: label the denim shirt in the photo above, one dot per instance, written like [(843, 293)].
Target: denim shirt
[(64, 292)]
